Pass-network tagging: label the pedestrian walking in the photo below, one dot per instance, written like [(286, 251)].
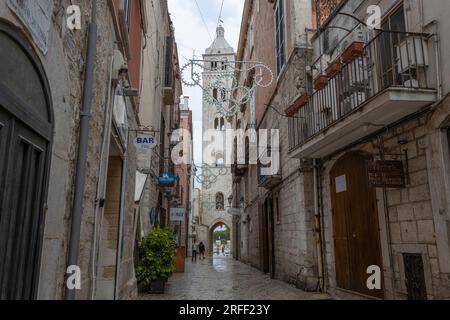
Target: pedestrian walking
[(194, 251), (202, 249), (223, 249)]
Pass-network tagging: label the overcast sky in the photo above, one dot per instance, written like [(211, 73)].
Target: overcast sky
[(192, 35)]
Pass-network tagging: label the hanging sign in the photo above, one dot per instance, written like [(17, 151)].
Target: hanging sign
[(145, 142), (177, 214), (386, 174), (167, 178)]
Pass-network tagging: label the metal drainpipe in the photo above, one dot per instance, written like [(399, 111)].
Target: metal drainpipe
[(317, 222), (85, 116)]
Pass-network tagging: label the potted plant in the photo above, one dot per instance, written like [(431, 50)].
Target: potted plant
[(157, 260), (334, 68), (354, 51), (320, 82), (300, 102)]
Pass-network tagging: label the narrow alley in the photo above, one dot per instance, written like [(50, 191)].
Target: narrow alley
[(223, 278)]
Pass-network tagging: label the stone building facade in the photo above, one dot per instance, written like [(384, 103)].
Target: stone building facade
[(275, 230), (394, 115), (53, 57), (161, 97)]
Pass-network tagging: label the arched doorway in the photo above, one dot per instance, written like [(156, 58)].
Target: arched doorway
[(219, 243), (26, 126), (355, 223)]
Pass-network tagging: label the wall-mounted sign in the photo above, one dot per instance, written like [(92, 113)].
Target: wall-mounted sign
[(177, 214), (37, 17), (341, 184), (386, 174), (145, 142), (167, 178)]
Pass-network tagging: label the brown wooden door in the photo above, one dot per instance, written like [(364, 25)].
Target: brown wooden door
[(355, 224)]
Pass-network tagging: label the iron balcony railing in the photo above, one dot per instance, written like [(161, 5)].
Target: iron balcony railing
[(390, 59)]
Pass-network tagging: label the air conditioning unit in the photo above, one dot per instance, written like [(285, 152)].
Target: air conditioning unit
[(412, 54)]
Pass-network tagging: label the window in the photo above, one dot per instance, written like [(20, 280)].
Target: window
[(223, 94), (215, 94), (389, 40), (220, 201), (224, 64), (222, 124), (214, 65), (280, 35), (216, 124)]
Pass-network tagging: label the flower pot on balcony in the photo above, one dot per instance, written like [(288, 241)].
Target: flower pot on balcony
[(320, 82), (354, 51), (300, 102), (333, 69)]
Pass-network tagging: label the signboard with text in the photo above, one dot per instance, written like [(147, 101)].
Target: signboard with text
[(386, 174), (177, 214), (145, 142)]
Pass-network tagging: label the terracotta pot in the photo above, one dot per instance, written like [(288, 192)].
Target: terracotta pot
[(354, 51), (333, 69), (320, 82), (300, 102)]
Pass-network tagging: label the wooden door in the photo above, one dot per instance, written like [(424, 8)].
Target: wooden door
[(355, 224), (22, 182)]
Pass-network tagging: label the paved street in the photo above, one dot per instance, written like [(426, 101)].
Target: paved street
[(224, 278)]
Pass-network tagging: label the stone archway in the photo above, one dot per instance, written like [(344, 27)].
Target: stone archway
[(216, 223)]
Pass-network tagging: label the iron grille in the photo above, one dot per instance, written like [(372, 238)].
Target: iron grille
[(415, 277)]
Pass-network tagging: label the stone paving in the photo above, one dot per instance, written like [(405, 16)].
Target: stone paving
[(224, 278)]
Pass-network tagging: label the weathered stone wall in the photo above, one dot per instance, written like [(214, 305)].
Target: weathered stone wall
[(295, 255)]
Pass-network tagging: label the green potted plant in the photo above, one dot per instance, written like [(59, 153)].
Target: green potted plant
[(157, 260)]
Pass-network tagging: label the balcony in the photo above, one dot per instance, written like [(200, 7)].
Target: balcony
[(385, 84)]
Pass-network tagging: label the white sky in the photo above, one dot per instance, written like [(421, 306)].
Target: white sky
[(191, 34)]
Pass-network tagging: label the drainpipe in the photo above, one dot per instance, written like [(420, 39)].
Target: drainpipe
[(317, 225), (85, 116)]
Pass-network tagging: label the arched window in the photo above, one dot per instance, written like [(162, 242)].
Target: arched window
[(215, 93), (222, 124), (214, 65), (224, 64), (223, 94), (220, 201)]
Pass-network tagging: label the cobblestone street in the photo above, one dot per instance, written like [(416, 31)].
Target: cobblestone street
[(223, 278)]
